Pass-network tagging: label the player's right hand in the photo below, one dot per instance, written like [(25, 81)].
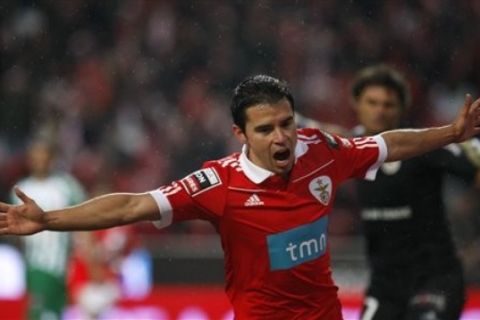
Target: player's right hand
[(23, 219)]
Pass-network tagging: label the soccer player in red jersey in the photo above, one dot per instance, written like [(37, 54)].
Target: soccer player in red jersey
[(269, 203)]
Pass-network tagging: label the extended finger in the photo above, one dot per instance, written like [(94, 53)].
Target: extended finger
[(475, 105), (466, 104), (471, 100), (468, 100), (4, 207), (22, 195), (474, 110), (3, 220)]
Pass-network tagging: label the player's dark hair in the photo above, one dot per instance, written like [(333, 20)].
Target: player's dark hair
[(255, 90), (384, 76)]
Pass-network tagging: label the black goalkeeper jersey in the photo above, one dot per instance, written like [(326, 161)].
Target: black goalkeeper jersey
[(404, 216)]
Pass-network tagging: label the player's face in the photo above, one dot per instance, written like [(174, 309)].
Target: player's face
[(271, 136), (39, 160), (378, 109)]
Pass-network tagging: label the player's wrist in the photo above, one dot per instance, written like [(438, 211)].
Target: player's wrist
[(47, 221), (444, 135)]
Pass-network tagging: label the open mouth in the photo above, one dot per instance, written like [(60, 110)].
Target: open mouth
[(281, 157)]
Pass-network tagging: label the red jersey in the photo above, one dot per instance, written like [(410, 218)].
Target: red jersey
[(274, 231)]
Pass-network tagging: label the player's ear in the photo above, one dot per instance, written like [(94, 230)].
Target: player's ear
[(239, 134)]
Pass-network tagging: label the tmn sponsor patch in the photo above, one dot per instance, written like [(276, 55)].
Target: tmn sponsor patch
[(201, 180), (302, 244)]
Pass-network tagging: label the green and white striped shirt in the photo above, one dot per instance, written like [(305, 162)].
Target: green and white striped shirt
[(48, 250)]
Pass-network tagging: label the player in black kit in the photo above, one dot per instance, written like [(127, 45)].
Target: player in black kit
[(415, 271)]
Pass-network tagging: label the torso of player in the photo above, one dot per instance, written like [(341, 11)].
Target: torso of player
[(277, 210), (274, 231), (400, 187), (404, 215), (283, 223), (274, 234)]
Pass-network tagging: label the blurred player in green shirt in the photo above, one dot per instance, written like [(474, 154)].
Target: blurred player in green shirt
[(46, 253)]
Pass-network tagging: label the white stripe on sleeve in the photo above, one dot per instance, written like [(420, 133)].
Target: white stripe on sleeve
[(165, 209), (382, 155)]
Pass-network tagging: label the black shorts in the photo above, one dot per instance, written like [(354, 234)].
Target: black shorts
[(435, 297)]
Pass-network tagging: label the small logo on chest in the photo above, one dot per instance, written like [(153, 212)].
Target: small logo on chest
[(254, 200), (321, 189)]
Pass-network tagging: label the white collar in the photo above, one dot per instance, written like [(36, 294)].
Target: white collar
[(258, 174)]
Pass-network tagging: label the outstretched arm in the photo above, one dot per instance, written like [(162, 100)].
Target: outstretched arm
[(102, 212), (407, 143)]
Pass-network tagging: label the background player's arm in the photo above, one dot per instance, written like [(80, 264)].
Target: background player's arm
[(406, 143), (101, 212)]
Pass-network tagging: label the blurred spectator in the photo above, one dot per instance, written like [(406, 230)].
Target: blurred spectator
[(12, 273), (123, 252), (46, 253), (93, 286), (107, 265)]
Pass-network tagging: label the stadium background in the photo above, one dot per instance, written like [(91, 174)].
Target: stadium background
[(137, 93)]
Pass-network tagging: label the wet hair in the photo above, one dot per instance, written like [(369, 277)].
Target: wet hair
[(383, 76), (254, 90)]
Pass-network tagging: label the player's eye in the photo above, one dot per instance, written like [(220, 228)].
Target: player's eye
[(287, 123), (264, 129)]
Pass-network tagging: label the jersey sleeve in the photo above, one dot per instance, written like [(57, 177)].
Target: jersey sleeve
[(357, 157), (200, 195)]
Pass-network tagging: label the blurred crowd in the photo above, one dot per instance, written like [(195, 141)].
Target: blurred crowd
[(137, 92)]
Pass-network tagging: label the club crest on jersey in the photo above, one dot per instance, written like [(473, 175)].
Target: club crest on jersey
[(321, 189), (201, 180)]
